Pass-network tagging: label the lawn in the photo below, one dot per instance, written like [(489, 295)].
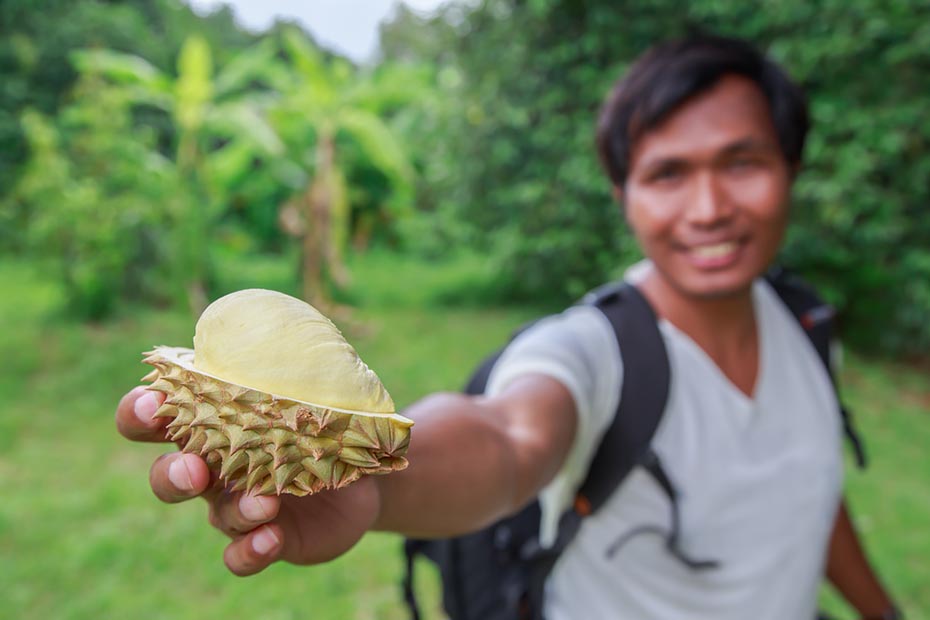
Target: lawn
[(81, 536)]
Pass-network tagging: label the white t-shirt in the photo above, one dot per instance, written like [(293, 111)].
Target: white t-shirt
[(759, 479)]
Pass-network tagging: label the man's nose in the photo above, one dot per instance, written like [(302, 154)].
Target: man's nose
[(709, 203)]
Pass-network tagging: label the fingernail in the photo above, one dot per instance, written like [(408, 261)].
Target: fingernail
[(180, 475), (252, 508), (264, 540), (145, 407)]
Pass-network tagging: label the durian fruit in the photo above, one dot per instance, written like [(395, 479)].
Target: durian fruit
[(275, 399)]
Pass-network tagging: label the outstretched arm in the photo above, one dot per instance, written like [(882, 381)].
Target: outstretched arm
[(472, 459), (848, 569)]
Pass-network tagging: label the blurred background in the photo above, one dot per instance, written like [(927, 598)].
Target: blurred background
[(425, 173)]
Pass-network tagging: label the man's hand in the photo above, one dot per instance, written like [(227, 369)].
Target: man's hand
[(263, 529)]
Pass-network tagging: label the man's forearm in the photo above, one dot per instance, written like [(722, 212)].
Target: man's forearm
[(474, 460), (848, 569)]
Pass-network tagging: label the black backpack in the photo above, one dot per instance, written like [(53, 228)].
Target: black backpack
[(499, 572)]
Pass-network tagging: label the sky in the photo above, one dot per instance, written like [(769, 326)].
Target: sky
[(349, 27)]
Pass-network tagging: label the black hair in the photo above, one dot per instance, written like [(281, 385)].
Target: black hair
[(671, 73)]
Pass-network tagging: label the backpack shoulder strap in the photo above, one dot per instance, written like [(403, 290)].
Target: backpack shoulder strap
[(626, 443), (818, 320), (642, 398), (643, 395), (816, 317)]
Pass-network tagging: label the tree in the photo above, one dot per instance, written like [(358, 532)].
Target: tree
[(37, 38), (324, 103), (93, 188), (219, 129)]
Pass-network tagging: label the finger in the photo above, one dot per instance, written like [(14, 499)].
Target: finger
[(256, 550), (134, 415), (238, 513), (176, 477)]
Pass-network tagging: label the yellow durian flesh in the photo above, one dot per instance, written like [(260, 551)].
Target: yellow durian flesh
[(278, 344)]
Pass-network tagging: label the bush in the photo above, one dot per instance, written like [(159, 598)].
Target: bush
[(92, 192)]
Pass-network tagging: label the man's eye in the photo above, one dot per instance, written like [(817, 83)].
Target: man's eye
[(743, 163), (667, 173)]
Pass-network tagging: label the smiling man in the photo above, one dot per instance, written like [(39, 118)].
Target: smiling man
[(701, 140)]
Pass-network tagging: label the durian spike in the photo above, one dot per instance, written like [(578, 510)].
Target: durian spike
[(358, 457), (284, 474), (258, 458), (235, 462), (215, 439)]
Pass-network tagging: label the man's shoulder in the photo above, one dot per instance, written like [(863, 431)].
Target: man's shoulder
[(577, 346), (580, 330)]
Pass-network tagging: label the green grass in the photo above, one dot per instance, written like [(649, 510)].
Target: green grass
[(889, 500), (81, 536)]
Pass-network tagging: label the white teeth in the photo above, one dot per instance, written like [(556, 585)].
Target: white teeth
[(714, 251)]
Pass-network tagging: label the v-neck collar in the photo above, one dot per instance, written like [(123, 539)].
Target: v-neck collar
[(749, 400)]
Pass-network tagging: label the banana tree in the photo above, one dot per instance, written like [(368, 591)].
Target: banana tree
[(324, 103), (219, 132)]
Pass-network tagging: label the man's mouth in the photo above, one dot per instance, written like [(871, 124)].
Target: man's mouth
[(714, 255), (716, 250)]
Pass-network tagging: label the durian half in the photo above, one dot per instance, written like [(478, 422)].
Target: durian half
[(275, 399)]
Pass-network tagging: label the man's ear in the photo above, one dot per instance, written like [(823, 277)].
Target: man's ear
[(620, 196), (617, 192)]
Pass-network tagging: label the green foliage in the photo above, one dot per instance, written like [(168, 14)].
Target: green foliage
[(92, 197), (519, 163), (334, 132), (860, 228), (237, 138), (218, 130), (475, 130), (36, 41), (520, 167)]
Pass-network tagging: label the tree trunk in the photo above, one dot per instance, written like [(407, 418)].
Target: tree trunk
[(316, 205)]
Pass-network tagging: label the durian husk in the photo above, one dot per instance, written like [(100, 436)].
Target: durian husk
[(268, 444)]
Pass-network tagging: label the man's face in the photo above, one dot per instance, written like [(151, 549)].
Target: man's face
[(707, 191)]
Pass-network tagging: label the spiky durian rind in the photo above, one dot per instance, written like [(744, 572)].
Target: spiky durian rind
[(269, 444)]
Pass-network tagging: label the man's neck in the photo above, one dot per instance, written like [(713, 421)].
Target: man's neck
[(724, 327)]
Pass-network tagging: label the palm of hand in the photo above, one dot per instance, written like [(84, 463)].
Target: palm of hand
[(320, 527)]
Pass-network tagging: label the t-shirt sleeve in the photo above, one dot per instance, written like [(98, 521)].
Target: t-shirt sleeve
[(579, 349)]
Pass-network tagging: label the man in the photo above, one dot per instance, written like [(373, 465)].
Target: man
[(702, 140)]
